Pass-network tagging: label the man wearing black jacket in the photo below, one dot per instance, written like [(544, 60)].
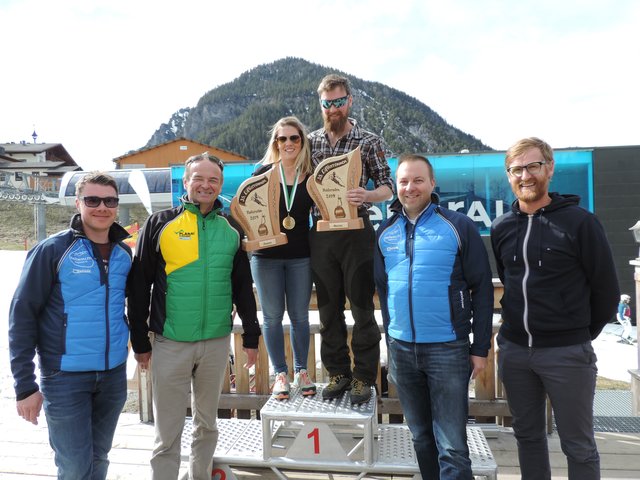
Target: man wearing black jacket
[(560, 290)]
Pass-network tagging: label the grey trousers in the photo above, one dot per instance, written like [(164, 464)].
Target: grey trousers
[(178, 368), (568, 376)]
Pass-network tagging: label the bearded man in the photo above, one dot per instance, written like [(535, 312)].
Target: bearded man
[(342, 261), (560, 290)]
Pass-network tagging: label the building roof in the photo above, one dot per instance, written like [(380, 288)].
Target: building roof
[(5, 158), (53, 151), (28, 147), (179, 139), (27, 164)]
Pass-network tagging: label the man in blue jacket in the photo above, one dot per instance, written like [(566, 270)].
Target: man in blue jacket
[(560, 290), (69, 307), (433, 277)]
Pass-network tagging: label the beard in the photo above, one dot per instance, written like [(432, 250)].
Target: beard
[(336, 123), (532, 195)]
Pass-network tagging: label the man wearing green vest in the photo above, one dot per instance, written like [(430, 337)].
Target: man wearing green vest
[(187, 274)]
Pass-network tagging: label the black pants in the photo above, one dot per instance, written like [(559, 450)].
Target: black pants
[(342, 267)]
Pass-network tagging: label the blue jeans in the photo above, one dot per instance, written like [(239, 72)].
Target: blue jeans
[(82, 410), (432, 380), (280, 281)]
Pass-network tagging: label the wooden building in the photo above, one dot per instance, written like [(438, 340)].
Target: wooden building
[(26, 167), (172, 153)]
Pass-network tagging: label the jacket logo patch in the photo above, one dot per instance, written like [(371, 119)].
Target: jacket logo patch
[(81, 259), (184, 235), (391, 239)]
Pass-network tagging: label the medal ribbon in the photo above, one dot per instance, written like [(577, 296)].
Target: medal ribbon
[(288, 196)]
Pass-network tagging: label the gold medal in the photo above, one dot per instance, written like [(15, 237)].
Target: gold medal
[(288, 222)]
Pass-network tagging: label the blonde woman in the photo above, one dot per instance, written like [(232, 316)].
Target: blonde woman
[(282, 274)]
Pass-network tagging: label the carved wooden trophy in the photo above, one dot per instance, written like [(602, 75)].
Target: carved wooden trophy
[(328, 188), (256, 207)]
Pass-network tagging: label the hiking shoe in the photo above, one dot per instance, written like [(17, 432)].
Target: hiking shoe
[(337, 385), (281, 386), (304, 383), (360, 391)]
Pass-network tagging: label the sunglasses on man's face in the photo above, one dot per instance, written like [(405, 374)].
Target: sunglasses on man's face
[(93, 202), (336, 102), (293, 138), (204, 156)]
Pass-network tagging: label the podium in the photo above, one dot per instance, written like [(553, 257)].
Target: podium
[(307, 433), (323, 431)]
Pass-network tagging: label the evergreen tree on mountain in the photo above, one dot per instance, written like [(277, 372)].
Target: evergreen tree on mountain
[(236, 116)]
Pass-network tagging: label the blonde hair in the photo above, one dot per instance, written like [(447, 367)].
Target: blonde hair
[(522, 146), (272, 155)]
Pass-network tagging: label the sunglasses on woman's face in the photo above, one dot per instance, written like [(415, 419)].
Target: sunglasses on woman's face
[(293, 138)]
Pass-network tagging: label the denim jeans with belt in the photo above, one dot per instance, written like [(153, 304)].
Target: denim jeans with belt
[(432, 380), (82, 410), (281, 281)]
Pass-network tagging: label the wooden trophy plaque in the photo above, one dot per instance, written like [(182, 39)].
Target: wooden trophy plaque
[(256, 207), (328, 187)]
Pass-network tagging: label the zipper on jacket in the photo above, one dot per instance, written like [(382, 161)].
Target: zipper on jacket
[(106, 308), (205, 274), (410, 250), (525, 277), (104, 271)]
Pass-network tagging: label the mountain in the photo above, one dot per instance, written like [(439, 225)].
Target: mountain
[(238, 115)]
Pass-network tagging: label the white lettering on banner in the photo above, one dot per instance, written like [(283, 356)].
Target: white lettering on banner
[(477, 213), (375, 215)]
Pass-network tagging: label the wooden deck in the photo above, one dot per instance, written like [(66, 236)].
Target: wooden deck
[(25, 453)]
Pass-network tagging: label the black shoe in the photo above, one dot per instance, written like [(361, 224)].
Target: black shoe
[(360, 391), (337, 385)]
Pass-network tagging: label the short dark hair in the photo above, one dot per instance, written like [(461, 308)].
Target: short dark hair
[(98, 178), (414, 157), (199, 158)]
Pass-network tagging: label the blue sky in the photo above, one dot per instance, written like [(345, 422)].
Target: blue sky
[(101, 76)]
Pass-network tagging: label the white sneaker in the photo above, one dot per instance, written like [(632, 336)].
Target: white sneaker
[(281, 386), (304, 383)]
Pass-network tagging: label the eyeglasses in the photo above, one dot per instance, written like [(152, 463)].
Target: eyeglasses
[(93, 202), (293, 138), (204, 156), (533, 168), (337, 102)]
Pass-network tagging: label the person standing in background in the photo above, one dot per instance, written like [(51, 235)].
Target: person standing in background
[(69, 307), (560, 290), (624, 317), (342, 261), (282, 274)]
